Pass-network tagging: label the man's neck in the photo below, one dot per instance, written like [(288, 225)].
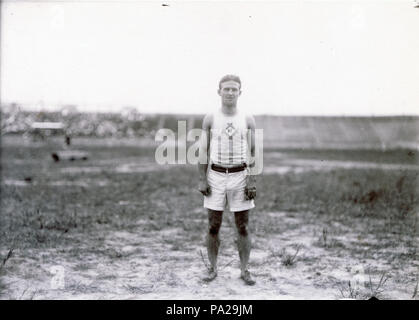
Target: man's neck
[(229, 109)]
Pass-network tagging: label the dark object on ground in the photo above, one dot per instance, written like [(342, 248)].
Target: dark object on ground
[(9, 255), (28, 179), (69, 155), (67, 140)]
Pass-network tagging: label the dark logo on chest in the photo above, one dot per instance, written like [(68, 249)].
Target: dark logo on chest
[(230, 130)]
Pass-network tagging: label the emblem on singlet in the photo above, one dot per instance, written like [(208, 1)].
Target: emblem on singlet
[(230, 130)]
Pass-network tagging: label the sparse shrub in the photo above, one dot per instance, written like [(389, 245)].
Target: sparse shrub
[(286, 259), (366, 290), (289, 260)]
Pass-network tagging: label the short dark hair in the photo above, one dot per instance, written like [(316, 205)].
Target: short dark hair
[(230, 77)]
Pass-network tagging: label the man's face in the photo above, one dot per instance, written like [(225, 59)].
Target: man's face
[(229, 92)]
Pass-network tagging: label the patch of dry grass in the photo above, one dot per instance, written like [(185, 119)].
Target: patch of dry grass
[(367, 290), (41, 216)]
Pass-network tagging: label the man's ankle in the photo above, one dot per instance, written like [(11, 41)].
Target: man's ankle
[(213, 269)]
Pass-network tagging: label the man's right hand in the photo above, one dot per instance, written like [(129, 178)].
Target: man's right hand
[(204, 187)]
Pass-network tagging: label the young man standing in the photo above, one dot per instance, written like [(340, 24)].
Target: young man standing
[(225, 170)]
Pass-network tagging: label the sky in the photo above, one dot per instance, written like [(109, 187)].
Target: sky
[(293, 57)]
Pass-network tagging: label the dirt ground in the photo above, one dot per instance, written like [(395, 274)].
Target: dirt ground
[(327, 225)]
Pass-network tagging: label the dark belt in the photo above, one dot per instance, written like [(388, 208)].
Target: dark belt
[(228, 170)]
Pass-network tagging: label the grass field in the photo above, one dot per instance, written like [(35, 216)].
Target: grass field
[(327, 225)]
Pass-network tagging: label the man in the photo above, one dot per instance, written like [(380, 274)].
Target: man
[(225, 170)]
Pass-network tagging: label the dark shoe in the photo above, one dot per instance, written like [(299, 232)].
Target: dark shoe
[(247, 278), (212, 274)]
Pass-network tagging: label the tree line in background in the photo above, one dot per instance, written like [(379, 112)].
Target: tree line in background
[(125, 124)]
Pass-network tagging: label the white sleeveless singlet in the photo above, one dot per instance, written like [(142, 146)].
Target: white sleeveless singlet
[(228, 139)]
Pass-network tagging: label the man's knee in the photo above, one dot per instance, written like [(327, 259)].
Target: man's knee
[(242, 229), (214, 222), (242, 219), (213, 230)]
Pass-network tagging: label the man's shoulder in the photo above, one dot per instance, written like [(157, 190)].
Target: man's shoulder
[(250, 120), (208, 120), (249, 116)]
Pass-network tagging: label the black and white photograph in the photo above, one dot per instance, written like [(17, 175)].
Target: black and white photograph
[(209, 150)]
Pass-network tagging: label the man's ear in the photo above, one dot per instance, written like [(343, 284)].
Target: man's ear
[(219, 92)]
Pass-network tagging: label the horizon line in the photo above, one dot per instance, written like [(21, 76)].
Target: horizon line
[(60, 106)]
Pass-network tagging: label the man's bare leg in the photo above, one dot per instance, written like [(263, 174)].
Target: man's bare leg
[(243, 244), (215, 219)]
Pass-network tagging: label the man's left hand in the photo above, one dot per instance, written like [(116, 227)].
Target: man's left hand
[(250, 193), (250, 189)]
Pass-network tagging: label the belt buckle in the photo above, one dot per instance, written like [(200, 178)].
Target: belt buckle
[(226, 170)]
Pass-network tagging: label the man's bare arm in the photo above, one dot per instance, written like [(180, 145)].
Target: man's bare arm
[(250, 190), (251, 126), (204, 150)]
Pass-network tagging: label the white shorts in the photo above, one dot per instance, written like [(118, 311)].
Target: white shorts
[(227, 187)]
